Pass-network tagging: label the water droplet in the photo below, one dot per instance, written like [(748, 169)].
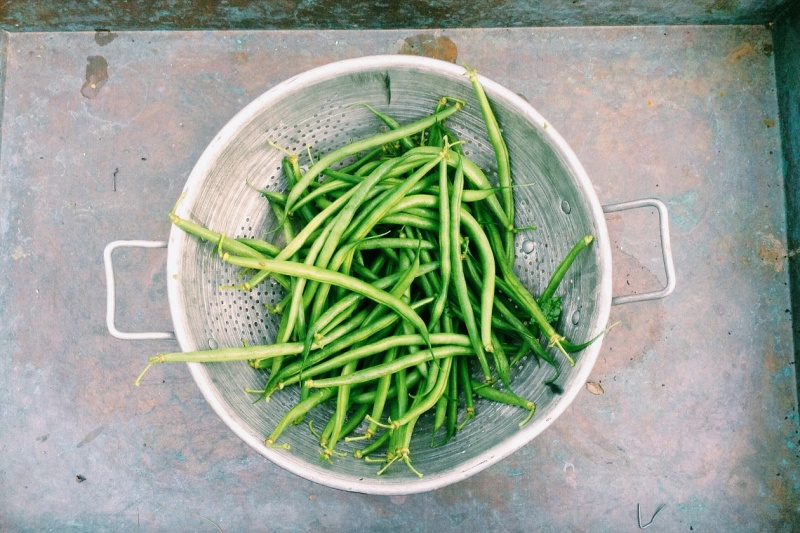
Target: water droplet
[(566, 207), (527, 247), (576, 317), (213, 344)]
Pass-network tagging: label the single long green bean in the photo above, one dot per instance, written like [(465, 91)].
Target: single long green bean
[(501, 156), (459, 280), (488, 281), (563, 267), (342, 404), (490, 393), (222, 355), (445, 256)]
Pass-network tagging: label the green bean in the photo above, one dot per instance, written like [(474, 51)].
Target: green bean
[(326, 188), (354, 420), (368, 167), (469, 195), (435, 134), (439, 415), (414, 221), (342, 403), (501, 155), (396, 341), (490, 393), (361, 145), (222, 355), (452, 400), (370, 374), (525, 297), (389, 121), (282, 336), (465, 382), (338, 176), (412, 378), (266, 248), (430, 399), (333, 278), (325, 436), (488, 281), (563, 267), (501, 364), (291, 172), (298, 411), (459, 281), (374, 445), (382, 394), (358, 163)]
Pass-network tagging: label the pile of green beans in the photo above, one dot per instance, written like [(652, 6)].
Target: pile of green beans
[(401, 298)]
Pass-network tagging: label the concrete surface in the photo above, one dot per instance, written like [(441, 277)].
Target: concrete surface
[(699, 409)]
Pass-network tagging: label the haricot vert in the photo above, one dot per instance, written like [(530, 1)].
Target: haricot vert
[(402, 300)]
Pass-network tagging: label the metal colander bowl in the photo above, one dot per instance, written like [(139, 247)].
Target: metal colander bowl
[(313, 110)]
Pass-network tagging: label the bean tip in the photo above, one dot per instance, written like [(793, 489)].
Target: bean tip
[(270, 443)]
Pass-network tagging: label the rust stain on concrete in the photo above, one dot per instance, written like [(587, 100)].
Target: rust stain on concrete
[(742, 51), (103, 37), (96, 76), (430, 46), (772, 252)]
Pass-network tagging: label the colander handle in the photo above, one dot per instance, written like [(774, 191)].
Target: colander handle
[(666, 249), (111, 292)]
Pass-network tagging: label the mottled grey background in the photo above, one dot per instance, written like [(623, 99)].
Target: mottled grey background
[(699, 410)]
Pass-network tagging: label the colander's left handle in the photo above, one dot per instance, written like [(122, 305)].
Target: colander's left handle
[(111, 292)]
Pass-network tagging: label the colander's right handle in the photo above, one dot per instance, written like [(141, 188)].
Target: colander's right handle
[(666, 249), (111, 292)]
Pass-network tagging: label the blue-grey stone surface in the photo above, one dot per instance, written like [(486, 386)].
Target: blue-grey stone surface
[(100, 131)]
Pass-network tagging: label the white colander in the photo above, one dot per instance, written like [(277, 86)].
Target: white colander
[(312, 112)]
